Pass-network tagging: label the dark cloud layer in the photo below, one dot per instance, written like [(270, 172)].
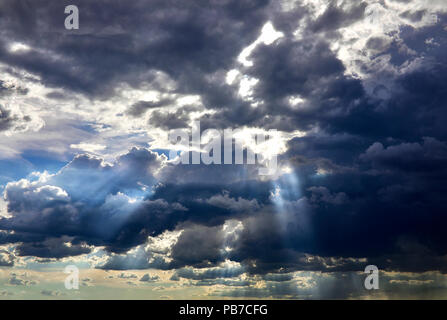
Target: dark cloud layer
[(125, 41)]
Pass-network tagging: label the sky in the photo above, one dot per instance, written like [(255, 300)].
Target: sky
[(355, 91)]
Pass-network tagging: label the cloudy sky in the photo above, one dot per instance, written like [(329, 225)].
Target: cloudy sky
[(355, 89)]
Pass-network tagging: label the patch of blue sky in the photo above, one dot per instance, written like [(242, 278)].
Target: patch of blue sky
[(30, 161), (43, 161)]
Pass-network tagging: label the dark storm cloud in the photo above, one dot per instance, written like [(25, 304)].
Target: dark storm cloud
[(430, 155), (350, 210), (305, 67), (192, 44), (387, 158), (328, 150), (335, 17), (194, 47), (338, 103), (124, 41), (87, 201), (191, 250), (51, 248), (82, 200), (170, 120), (278, 277), (351, 216)]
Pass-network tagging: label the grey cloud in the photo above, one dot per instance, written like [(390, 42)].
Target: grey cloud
[(413, 15), (179, 40), (63, 204), (278, 277), (240, 204), (5, 293), (51, 293), (378, 44), (224, 282), (335, 17), (208, 274), (10, 121), (324, 195), (52, 248), (340, 285), (6, 258), (170, 120), (15, 281), (140, 107), (430, 155), (148, 278), (199, 246), (123, 275)]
